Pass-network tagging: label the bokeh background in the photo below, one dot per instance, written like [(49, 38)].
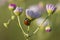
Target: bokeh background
[(14, 32)]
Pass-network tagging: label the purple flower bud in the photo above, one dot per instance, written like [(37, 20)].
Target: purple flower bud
[(12, 6), (50, 8), (18, 11)]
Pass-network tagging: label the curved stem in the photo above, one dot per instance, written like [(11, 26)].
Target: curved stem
[(20, 25), (25, 35)]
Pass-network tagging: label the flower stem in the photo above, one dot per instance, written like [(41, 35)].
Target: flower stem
[(10, 18), (28, 33), (25, 35), (28, 29), (9, 21), (20, 25)]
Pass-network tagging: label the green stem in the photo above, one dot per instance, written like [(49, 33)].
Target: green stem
[(36, 31), (10, 18), (28, 33), (28, 29), (21, 27), (9, 21)]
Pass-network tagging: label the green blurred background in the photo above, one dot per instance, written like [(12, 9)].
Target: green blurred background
[(14, 32)]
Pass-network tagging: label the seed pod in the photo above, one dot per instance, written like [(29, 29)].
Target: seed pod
[(12, 6), (18, 11), (27, 21)]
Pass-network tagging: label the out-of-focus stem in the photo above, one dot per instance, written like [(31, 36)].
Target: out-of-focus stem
[(28, 29), (11, 18), (28, 33), (9, 21)]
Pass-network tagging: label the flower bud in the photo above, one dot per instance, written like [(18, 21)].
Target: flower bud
[(48, 28), (12, 6), (50, 8), (18, 11)]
